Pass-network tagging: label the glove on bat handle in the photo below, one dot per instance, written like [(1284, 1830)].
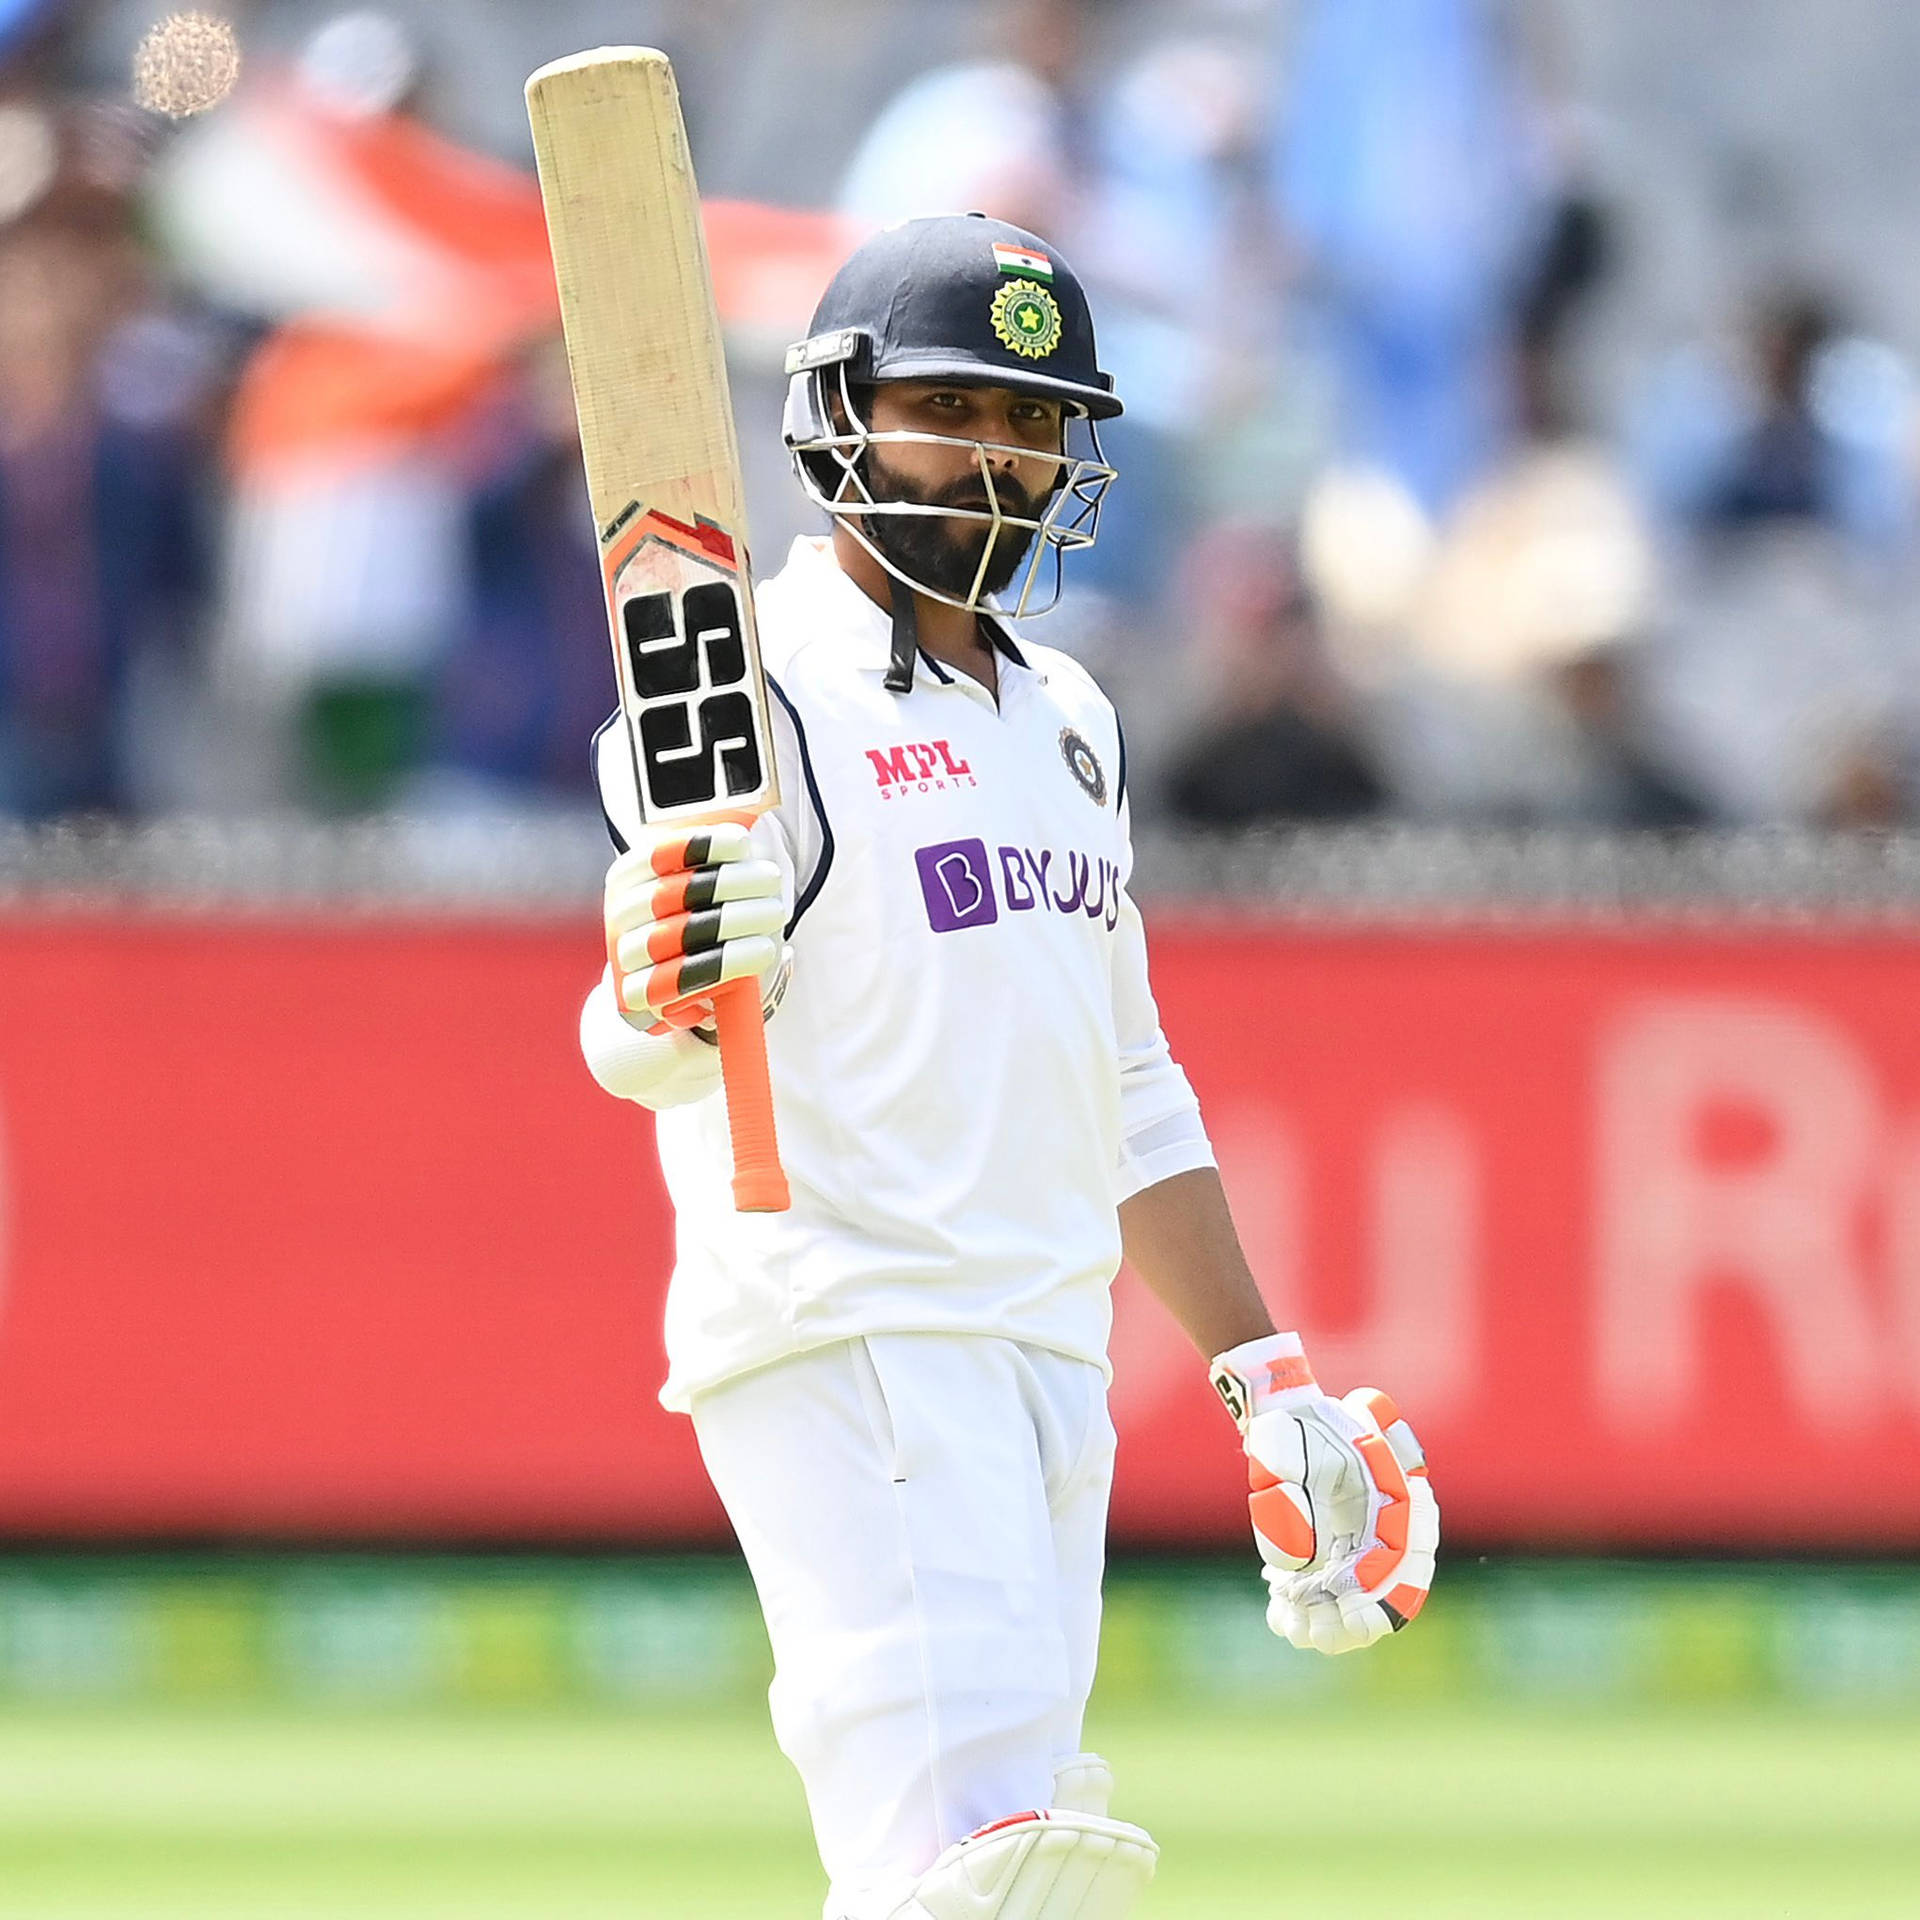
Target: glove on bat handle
[(740, 1026)]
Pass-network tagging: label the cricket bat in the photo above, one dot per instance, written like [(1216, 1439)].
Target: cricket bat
[(663, 475)]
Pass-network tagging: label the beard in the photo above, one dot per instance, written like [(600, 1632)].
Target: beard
[(944, 555)]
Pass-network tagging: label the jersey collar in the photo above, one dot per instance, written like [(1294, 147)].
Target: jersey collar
[(868, 629)]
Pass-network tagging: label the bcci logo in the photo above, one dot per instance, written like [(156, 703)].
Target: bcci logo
[(1026, 317), (1084, 764)]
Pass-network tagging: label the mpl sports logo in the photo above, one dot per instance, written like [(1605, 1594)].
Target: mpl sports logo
[(918, 766), (958, 882)]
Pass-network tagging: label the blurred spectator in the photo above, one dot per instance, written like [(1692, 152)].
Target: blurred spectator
[(1507, 682), (528, 681), (101, 557), (1615, 776), (1802, 421), (1802, 455), (405, 274), (1785, 464), (1522, 644), (1780, 467), (1171, 234), (1278, 742), (1545, 558), (988, 136), (1412, 175)]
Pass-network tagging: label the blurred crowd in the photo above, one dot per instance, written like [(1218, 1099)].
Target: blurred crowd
[(290, 512)]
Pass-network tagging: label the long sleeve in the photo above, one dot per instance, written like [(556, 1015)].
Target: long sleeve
[(656, 1069), (1161, 1132)]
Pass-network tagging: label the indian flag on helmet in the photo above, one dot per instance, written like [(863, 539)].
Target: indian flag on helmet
[(1036, 266)]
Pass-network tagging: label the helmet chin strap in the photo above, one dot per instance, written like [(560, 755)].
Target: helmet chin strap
[(906, 638)]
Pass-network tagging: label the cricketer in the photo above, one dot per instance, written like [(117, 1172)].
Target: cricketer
[(899, 1384)]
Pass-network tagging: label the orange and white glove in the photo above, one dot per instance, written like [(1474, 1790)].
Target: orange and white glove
[(688, 909), (1343, 1512)]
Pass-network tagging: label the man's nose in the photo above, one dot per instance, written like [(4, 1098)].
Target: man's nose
[(1007, 456)]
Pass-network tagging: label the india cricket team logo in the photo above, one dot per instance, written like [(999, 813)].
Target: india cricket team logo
[(1084, 764), (1026, 317)]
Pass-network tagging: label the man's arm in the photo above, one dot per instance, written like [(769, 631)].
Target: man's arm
[(1342, 1511), (1179, 1239)]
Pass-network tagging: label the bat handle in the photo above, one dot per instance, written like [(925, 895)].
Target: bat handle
[(759, 1183)]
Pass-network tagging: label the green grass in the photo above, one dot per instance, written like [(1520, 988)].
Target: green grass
[(578, 1815)]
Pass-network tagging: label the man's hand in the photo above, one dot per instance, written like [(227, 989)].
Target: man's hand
[(1343, 1513), (687, 910)]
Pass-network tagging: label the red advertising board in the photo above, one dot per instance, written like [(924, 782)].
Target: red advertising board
[(314, 1229)]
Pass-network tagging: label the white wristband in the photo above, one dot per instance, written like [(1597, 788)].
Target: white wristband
[(1262, 1373)]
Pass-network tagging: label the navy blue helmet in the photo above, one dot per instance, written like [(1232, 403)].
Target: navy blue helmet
[(961, 297), (975, 301)]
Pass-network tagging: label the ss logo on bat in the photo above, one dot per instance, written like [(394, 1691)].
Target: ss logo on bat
[(702, 748)]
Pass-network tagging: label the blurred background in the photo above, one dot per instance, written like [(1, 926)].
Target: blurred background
[(1510, 594)]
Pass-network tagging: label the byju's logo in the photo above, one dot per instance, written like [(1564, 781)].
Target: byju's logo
[(958, 885)]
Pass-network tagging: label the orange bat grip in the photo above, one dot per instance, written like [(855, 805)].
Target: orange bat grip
[(759, 1183)]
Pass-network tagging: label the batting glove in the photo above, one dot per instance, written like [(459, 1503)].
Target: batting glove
[(687, 910), (1343, 1513)]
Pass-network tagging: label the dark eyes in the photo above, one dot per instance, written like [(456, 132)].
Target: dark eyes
[(1030, 414)]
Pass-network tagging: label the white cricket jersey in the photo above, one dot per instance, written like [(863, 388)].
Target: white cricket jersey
[(968, 1069)]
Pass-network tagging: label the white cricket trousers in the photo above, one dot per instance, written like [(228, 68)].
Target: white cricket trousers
[(924, 1516)]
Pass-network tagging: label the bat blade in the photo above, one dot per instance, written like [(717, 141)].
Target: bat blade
[(662, 463)]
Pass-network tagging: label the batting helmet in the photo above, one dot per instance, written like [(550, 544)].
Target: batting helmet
[(975, 301)]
